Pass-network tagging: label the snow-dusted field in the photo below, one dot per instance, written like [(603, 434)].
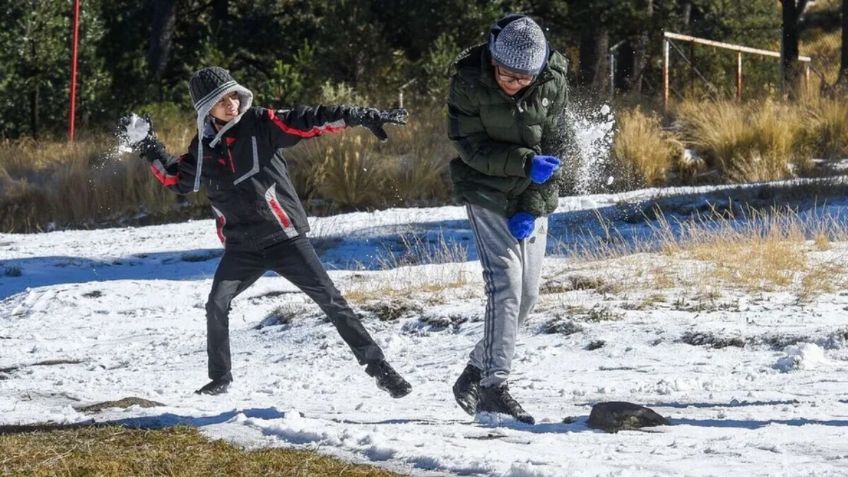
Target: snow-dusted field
[(123, 310)]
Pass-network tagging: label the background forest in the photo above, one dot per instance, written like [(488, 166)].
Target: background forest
[(138, 56)]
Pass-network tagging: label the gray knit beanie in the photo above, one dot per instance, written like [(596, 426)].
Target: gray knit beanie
[(207, 86), (518, 44)]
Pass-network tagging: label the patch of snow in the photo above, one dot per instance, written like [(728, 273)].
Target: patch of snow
[(123, 312), (803, 356)]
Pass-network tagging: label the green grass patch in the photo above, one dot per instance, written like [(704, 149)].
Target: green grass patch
[(178, 451)]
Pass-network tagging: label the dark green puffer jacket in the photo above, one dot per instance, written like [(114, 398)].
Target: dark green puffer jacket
[(497, 135)]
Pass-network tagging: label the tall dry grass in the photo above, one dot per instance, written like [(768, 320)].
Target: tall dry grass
[(351, 177), (56, 184), (642, 148), (826, 128), (749, 142), (729, 142), (88, 183), (353, 170), (402, 275), (774, 249), (824, 48)]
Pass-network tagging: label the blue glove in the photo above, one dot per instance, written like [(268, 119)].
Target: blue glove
[(542, 168), (521, 225)]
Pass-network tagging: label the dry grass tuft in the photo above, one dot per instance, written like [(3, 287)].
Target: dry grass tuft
[(398, 280), (747, 143), (350, 176), (755, 262), (826, 131), (434, 289), (824, 278), (765, 251), (354, 171), (179, 451), (642, 147), (759, 251), (822, 47), (85, 183), (822, 242)]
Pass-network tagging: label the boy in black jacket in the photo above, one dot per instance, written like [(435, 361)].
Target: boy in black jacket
[(237, 154)]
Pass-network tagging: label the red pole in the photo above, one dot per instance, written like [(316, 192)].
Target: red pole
[(71, 127), (666, 53)]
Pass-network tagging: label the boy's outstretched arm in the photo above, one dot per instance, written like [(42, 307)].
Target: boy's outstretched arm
[(303, 122), (175, 173)]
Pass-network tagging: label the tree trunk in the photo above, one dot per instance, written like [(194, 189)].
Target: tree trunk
[(33, 73), (843, 70), (792, 10), (161, 34), (220, 12), (685, 14), (594, 64), (624, 65), (640, 53), (33, 106)]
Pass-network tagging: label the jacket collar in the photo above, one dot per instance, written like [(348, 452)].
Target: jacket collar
[(210, 133)]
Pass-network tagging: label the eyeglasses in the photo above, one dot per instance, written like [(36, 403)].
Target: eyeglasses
[(510, 78)]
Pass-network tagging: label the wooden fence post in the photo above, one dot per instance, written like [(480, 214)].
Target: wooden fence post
[(739, 76)]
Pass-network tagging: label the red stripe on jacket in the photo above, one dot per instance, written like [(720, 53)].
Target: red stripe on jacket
[(220, 222), (162, 175), (281, 214), (315, 131), (165, 179)]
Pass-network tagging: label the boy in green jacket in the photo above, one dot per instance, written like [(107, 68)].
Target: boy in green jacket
[(505, 111)]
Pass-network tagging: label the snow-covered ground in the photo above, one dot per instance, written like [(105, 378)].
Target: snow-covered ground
[(754, 383)]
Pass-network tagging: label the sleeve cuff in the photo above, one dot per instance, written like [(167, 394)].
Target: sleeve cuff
[(518, 162)]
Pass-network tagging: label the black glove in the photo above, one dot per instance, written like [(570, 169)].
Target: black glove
[(374, 119), (137, 133)]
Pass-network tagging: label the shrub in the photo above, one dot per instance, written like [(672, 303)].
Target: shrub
[(746, 143), (642, 147), (826, 131)]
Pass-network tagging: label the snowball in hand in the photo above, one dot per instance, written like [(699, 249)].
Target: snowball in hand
[(136, 129)]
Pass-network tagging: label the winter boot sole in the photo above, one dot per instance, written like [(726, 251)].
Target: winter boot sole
[(397, 393)]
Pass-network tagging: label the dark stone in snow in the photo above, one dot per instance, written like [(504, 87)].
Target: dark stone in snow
[(562, 327), (617, 416), (596, 344), (121, 403)]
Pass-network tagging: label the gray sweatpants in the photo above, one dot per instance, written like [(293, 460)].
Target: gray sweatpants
[(511, 272)]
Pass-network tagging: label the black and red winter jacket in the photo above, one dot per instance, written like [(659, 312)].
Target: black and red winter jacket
[(246, 176)]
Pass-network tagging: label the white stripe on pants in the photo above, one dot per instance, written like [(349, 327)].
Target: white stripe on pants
[(511, 272)]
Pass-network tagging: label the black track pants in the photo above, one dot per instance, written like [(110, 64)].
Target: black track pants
[(296, 261)]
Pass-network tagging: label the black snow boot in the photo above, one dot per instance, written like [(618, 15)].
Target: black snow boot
[(466, 389), (214, 388), (388, 379), (498, 399)]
